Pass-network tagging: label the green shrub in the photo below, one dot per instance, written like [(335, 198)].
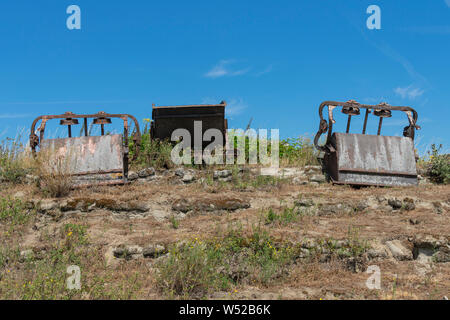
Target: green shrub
[(153, 152), (298, 151), (439, 165)]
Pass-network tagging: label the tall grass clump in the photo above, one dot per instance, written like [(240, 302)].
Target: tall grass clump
[(14, 164), (53, 172)]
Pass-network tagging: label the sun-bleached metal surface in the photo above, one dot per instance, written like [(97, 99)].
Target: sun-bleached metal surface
[(91, 160), (372, 159), (363, 159), (86, 155)]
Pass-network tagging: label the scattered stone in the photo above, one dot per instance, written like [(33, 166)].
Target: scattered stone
[(144, 173), (188, 178), (414, 222), (209, 205), (132, 176), (377, 251), (395, 203), (128, 252), (327, 209), (408, 204), (154, 251), (179, 172), (361, 206), (423, 255), (319, 178), (399, 251), (428, 241), (316, 169), (443, 255), (222, 174)]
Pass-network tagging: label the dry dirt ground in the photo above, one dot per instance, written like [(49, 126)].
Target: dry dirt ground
[(405, 232)]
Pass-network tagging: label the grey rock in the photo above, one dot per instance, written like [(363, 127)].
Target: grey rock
[(313, 168), (222, 174), (443, 255), (399, 251), (132, 176), (227, 179), (377, 251), (144, 173), (179, 172), (395, 203), (320, 178), (188, 178), (154, 251), (408, 204), (128, 252)]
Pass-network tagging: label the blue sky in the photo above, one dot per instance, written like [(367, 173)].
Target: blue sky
[(273, 61)]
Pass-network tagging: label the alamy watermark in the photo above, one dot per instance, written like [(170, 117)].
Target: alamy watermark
[(374, 281), (74, 281), (241, 147), (374, 20), (73, 22)]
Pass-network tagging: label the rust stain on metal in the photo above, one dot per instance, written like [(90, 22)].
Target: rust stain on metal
[(94, 160), (362, 159)]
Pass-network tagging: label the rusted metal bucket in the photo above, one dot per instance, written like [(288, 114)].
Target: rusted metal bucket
[(166, 119), (362, 159), (91, 160)]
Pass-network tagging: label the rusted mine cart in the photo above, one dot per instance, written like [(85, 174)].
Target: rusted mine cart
[(363, 159), (91, 160), (166, 119)]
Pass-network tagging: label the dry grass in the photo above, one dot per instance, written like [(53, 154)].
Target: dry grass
[(53, 172)]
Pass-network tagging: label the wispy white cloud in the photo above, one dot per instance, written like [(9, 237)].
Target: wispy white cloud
[(409, 92), (234, 106), (387, 50), (448, 3), (266, 70), (14, 115), (223, 68)]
